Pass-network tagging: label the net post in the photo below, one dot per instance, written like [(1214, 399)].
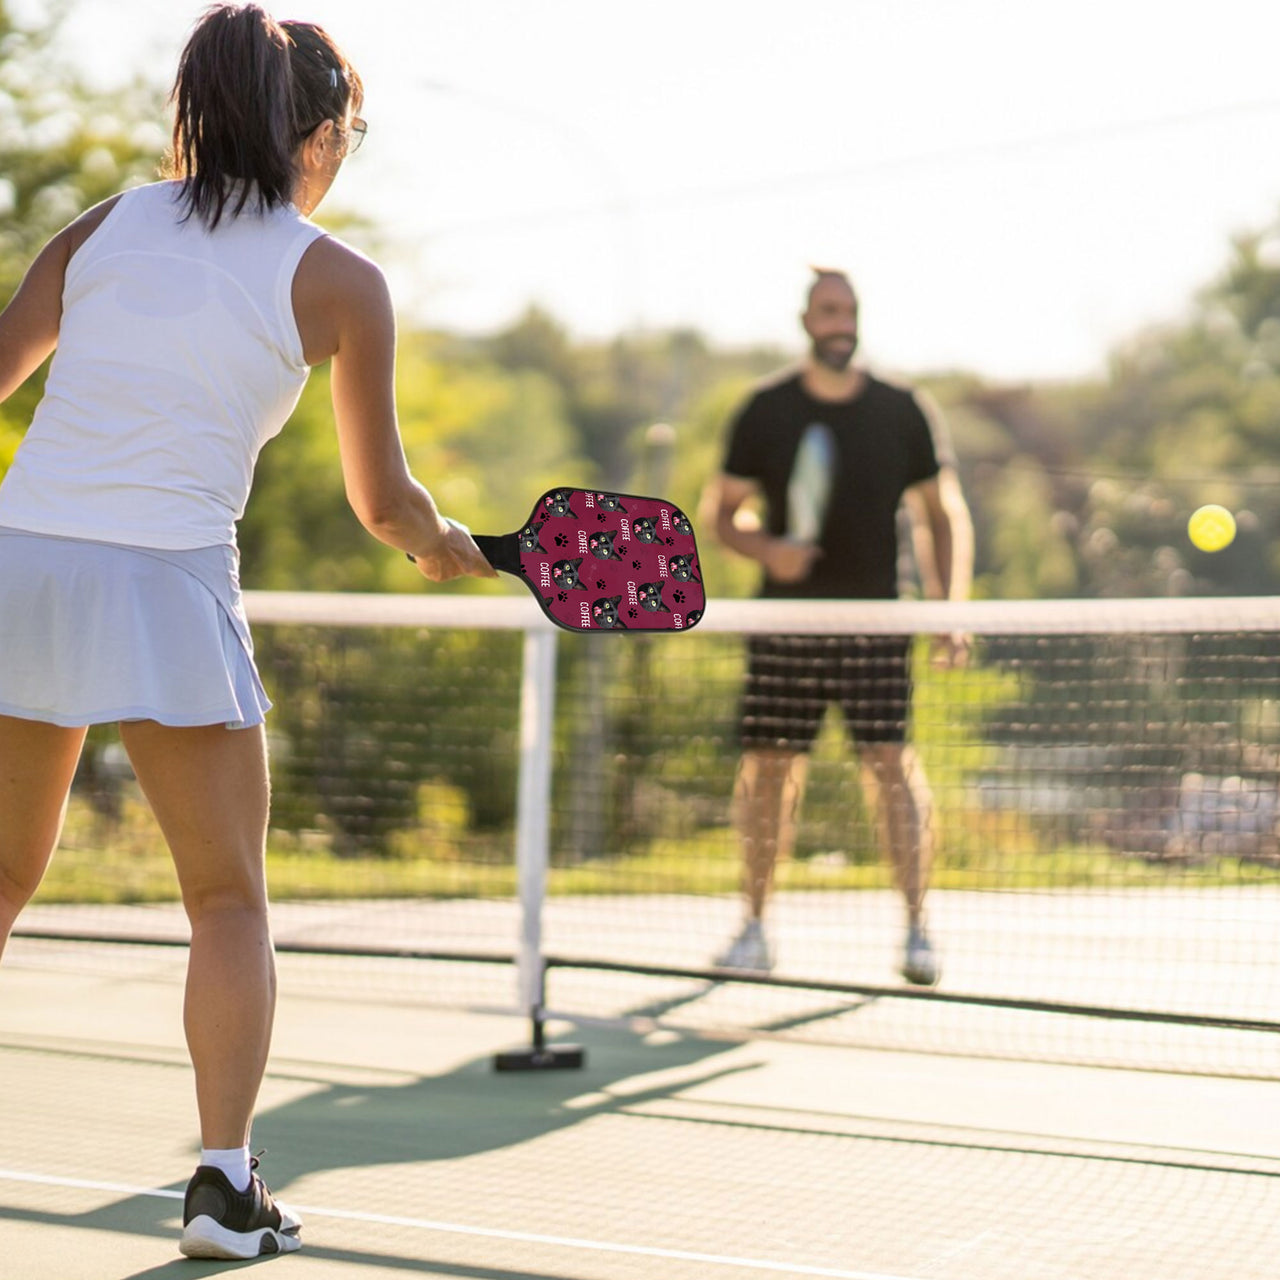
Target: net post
[(533, 838)]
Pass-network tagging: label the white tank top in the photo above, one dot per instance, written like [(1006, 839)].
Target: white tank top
[(178, 358)]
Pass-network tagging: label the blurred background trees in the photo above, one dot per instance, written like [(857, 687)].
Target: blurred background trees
[(1080, 488), (1077, 489), (1085, 488), (63, 148)]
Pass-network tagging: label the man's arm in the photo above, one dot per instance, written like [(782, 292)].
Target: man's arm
[(942, 535), (784, 559)]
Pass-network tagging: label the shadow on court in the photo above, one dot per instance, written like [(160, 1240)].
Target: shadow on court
[(473, 1110), (130, 1217), (686, 1141), (189, 1269), (465, 1112)]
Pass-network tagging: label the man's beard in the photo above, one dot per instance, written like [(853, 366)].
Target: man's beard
[(835, 353)]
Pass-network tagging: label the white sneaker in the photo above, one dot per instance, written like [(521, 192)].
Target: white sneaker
[(920, 965), (750, 950)]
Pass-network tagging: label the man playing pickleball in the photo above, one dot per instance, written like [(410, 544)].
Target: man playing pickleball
[(880, 451)]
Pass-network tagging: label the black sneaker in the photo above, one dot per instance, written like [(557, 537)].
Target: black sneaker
[(220, 1222)]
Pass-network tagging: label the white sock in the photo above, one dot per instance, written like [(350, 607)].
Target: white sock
[(233, 1161)]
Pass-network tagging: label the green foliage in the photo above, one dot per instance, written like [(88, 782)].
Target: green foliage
[(1249, 290), (297, 532), (484, 440), (63, 148), (1028, 543), (1085, 489), (1076, 489), (361, 737), (63, 145), (613, 392), (1081, 488), (9, 439)]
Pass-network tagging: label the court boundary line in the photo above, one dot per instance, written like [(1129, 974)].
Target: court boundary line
[(491, 1233)]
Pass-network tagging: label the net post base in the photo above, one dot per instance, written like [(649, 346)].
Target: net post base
[(550, 1057), (541, 1056)]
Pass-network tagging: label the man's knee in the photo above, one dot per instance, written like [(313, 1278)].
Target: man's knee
[(769, 764), (888, 761), (764, 776)]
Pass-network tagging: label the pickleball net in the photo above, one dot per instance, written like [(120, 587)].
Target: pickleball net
[(457, 786)]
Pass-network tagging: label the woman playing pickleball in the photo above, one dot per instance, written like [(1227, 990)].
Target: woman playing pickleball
[(186, 315)]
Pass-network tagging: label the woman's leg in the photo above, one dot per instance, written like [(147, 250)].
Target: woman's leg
[(209, 790), (37, 763)]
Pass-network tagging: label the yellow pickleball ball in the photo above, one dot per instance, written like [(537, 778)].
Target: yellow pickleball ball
[(1211, 527)]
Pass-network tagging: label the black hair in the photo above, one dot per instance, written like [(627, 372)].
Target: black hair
[(248, 91), (821, 275)]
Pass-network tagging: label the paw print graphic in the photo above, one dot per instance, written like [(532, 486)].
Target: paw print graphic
[(563, 596), (561, 540), (631, 613), (600, 584), (678, 597), (601, 517), (635, 564), (671, 542)]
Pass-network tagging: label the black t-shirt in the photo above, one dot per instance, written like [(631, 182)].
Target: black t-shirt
[(884, 445)]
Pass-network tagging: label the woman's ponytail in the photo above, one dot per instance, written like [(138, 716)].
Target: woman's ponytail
[(247, 89)]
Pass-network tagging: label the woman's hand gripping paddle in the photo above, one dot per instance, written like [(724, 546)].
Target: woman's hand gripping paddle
[(605, 561)]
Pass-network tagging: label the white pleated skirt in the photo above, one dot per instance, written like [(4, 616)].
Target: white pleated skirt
[(93, 632)]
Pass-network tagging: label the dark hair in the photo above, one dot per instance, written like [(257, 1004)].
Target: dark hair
[(821, 275), (247, 92)]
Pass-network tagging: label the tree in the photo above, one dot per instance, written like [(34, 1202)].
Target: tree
[(1086, 488), (485, 441), (63, 148)]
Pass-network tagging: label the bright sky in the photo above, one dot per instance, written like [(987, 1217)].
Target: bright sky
[(1014, 185)]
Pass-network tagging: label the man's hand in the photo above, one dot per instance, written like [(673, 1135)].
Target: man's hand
[(950, 651), (787, 560)]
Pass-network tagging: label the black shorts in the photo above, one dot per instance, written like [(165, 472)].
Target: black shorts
[(792, 679)]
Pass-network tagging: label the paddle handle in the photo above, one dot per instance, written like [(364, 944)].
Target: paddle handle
[(502, 551)]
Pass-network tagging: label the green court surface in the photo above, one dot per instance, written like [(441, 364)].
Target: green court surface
[(672, 1154)]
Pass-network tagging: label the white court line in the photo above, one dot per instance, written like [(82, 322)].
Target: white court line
[(491, 1233)]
